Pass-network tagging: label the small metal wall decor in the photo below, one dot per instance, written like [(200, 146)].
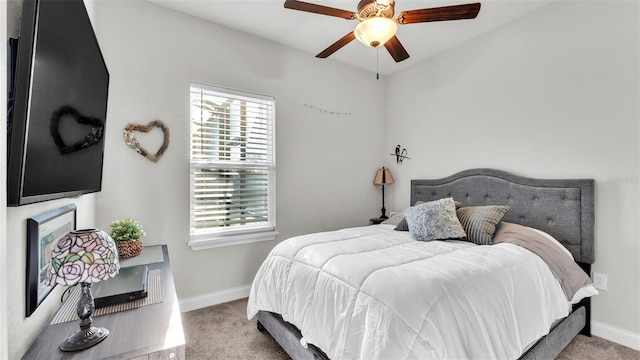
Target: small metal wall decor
[(132, 142), (327, 111), (400, 154)]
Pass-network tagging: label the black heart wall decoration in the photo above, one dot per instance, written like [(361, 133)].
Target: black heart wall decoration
[(92, 138)]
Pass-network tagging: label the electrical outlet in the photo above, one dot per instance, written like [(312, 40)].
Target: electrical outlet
[(600, 281)]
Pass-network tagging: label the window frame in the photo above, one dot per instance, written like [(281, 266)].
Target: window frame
[(213, 237)]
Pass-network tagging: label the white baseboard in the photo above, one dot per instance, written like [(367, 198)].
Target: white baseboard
[(215, 298), (615, 334)]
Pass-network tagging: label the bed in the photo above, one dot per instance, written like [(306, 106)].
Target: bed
[(562, 208)]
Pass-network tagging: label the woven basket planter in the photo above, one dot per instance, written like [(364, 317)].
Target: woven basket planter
[(129, 248)]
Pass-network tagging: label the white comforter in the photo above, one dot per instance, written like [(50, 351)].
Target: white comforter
[(375, 293)]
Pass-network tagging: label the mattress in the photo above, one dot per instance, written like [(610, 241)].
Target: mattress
[(375, 293)]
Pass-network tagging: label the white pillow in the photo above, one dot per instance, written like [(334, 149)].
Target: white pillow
[(583, 292), (394, 218)]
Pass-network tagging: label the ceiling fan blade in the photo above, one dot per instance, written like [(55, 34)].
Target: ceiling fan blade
[(395, 48), (319, 9), (445, 13), (337, 45)]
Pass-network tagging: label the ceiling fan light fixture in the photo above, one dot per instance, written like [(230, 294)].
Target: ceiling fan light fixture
[(384, 3), (375, 31)]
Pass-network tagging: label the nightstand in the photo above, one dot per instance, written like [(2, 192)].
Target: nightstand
[(147, 332), (376, 221)]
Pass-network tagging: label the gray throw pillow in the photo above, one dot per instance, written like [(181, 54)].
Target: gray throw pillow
[(434, 220), (403, 226), (479, 222)]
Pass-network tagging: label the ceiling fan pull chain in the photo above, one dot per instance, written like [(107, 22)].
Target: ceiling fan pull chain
[(377, 63)]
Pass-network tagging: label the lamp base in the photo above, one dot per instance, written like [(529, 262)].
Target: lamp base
[(383, 214), (84, 339)]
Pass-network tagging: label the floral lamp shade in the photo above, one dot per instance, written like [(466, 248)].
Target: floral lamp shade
[(84, 257)]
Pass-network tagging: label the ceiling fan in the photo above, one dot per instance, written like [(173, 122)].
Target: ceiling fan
[(377, 25)]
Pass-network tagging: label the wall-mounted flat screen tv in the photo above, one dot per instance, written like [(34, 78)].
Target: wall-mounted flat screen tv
[(58, 105)]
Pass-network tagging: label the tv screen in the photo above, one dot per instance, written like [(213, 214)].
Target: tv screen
[(60, 88)]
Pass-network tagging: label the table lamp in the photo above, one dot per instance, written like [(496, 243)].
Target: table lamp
[(86, 257), (383, 177)]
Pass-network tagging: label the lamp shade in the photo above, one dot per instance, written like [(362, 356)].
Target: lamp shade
[(383, 177), (375, 31), (83, 256)]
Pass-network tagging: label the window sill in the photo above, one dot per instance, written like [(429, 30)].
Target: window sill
[(211, 241)]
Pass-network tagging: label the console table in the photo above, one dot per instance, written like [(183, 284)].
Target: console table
[(147, 332)]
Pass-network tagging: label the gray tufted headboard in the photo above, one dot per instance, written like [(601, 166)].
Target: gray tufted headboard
[(562, 208)]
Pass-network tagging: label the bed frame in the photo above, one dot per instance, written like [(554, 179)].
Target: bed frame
[(562, 208)]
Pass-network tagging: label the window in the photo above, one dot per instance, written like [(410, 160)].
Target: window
[(232, 167)]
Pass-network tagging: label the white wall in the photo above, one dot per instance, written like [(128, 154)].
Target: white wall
[(325, 163), (553, 95), (3, 195)]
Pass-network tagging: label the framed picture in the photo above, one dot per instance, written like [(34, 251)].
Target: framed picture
[(43, 233)]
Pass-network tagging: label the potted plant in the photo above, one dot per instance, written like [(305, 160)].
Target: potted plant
[(127, 234)]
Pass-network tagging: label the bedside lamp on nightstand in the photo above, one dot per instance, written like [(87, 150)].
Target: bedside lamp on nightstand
[(383, 177), (85, 257)]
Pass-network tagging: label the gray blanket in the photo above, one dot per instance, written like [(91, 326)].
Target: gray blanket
[(568, 273)]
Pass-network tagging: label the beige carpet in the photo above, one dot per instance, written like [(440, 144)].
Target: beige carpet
[(223, 332)]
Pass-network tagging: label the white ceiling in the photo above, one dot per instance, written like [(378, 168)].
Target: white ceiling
[(309, 32)]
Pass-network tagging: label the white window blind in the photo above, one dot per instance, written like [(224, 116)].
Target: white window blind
[(232, 166)]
